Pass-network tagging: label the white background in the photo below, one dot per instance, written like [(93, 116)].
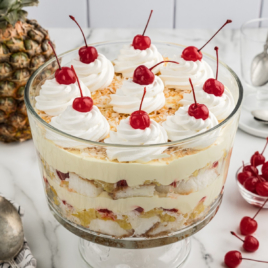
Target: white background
[(134, 13)]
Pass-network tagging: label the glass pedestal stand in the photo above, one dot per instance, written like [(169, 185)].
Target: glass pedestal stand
[(103, 251), (171, 256)]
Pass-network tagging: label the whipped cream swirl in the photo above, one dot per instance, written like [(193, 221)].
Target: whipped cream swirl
[(95, 75), (130, 58), (182, 125), (221, 106), (126, 135), (54, 98), (91, 126), (128, 97), (177, 75)]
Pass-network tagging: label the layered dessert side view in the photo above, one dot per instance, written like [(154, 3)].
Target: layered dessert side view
[(133, 171)]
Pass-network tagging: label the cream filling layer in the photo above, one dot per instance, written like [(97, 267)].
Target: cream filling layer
[(164, 172), (184, 203)]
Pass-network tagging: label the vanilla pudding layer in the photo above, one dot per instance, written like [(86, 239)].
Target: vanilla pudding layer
[(177, 164), (94, 188)]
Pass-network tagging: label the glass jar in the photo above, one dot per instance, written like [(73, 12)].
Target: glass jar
[(133, 214)]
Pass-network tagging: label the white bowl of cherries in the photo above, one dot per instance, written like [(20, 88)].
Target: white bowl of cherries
[(252, 179)]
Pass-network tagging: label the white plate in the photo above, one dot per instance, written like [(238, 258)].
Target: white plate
[(247, 123)]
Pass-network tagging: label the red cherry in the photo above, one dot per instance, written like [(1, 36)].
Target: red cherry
[(248, 225), (198, 111), (64, 75), (144, 76), (122, 183), (213, 86), (139, 209), (264, 170), (262, 188), (258, 159), (62, 176), (233, 258), (250, 243), (243, 176), (192, 53), (82, 104), (253, 170), (250, 184), (87, 53), (140, 119), (140, 41)]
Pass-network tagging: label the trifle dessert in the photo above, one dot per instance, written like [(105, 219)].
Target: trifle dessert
[(134, 145)]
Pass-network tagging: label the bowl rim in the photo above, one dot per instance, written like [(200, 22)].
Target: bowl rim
[(32, 111), (244, 189)]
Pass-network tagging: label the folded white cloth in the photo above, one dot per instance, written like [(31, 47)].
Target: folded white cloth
[(25, 258)]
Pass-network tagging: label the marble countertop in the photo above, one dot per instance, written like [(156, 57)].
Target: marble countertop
[(55, 247)]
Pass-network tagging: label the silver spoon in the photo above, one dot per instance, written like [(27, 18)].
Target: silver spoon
[(259, 67), (261, 116), (11, 233)]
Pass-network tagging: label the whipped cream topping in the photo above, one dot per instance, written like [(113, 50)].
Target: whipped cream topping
[(128, 97), (182, 125), (129, 59), (91, 126), (221, 106), (126, 135), (95, 75), (177, 75), (54, 98)]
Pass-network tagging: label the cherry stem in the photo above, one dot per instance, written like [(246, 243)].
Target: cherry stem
[(260, 208), (55, 54), (265, 146), (77, 81), (253, 260), (217, 49), (193, 91), (147, 22), (234, 234), (142, 99), (243, 164), (228, 21), (79, 28), (163, 62)]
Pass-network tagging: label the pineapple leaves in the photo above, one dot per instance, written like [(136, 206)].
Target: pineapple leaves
[(11, 11)]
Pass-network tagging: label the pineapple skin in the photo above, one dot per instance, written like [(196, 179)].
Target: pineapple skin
[(23, 48)]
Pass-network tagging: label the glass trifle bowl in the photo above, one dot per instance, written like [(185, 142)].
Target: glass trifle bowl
[(133, 213)]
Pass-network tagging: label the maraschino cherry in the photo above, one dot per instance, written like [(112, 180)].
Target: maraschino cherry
[(262, 188), (140, 119), (250, 184), (258, 159), (253, 170), (264, 170), (87, 53), (64, 75), (82, 104), (198, 111), (250, 244), (249, 225), (144, 76), (243, 176), (213, 86), (140, 41), (192, 53), (233, 258)]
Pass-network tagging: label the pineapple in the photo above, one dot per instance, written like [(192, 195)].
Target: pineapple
[(23, 48)]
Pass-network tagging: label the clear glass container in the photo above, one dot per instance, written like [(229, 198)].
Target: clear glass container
[(147, 220), (251, 198), (254, 35)]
